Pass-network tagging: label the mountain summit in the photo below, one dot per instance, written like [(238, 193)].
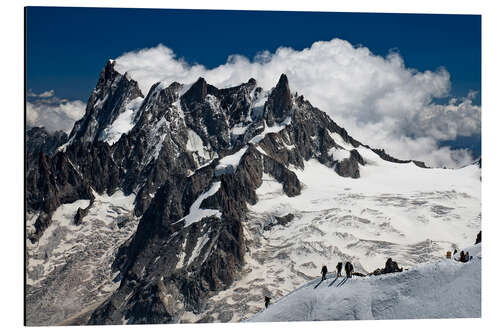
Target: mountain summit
[(176, 197)]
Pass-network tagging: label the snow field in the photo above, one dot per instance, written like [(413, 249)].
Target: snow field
[(411, 214), (69, 268)]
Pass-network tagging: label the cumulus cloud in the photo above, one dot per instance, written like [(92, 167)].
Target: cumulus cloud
[(377, 98), (53, 113)]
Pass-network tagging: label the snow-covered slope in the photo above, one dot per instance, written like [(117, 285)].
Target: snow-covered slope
[(69, 268), (440, 289), (411, 214)]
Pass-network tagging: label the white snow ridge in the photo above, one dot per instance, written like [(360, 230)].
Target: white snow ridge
[(441, 289)]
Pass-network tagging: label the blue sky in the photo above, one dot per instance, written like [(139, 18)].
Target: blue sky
[(411, 113), (67, 47)]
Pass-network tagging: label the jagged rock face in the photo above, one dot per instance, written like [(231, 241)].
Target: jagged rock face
[(194, 158), (68, 176), (107, 101), (206, 116), (166, 247), (51, 182), (237, 101), (96, 163), (279, 104), (39, 140), (155, 149)]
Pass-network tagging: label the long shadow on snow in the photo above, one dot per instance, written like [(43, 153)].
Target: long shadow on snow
[(342, 282)]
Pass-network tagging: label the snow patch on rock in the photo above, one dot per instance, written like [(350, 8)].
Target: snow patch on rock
[(339, 154), (196, 213), (273, 129), (123, 123), (195, 145), (228, 164)]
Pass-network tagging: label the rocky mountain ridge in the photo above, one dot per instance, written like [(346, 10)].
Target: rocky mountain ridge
[(194, 157)]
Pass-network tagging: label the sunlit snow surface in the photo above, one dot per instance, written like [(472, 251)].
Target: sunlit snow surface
[(441, 289), (123, 123), (196, 214), (411, 214), (69, 268)]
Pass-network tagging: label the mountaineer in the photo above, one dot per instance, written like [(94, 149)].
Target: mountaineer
[(339, 269), (324, 270), (348, 269), (267, 300), (391, 267)]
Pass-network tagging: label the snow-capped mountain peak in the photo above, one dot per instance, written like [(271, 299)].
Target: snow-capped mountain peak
[(220, 181)]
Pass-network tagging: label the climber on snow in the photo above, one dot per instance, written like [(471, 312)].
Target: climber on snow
[(267, 300), (348, 269), (339, 269), (324, 270), (391, 267)]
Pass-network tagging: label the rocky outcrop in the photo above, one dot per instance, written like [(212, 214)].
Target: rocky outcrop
[(81, 213), (279, 220), (107, 101), (349, 167), (39, 140), (51, 182), (279, 105), (383, 155), (206, 117), (291, 184), (185, 271), (95, 163)]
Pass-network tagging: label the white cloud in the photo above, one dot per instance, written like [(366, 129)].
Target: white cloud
[(45, 94), (59, 114), (379, 100)]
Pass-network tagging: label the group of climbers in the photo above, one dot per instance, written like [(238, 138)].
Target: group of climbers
[(391, 266), (464, 257), (348, 270)]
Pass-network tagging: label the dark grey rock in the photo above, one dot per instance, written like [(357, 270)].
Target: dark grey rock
[(387, 157), (279, 220), (81, 213), (38, 139), (107, 101), (278, 106), (348, 167)]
